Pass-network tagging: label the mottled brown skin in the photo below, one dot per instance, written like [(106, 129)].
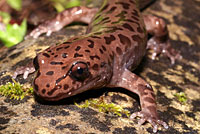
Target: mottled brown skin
[(114, 45)]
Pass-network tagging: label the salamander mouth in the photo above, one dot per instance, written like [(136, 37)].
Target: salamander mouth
[(90, 85)]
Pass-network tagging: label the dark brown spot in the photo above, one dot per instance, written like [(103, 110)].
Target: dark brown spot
[(43, 91), (109, 39), (64, 55), (77, 55), (150, 100), (101, 51), (135, 13), (111, 55), (47, 85), (95, 57), (59, 48), (66, 47), (50, 73), (108, 21), (125, 5), (103, 21), (56, 56), (77, 48), (95, 67), (63, 67), (122, 17), (119, 51), (49, 51), (15, 55), (137, 38), (98, 33), (107, 18), (124, 40), (46, 55), (113, 29), (88, 63), (88, 51), (91, 45), (111, 10), (56, 63), (96, 37), (131, 1), (132, 21), (122, 14), (66, 87), (61, 78), (52, 91), (104, 8), (103, 47), (139, 29), (97, 17), (67, 42), (127, 26), (135, 18), (52, 53)]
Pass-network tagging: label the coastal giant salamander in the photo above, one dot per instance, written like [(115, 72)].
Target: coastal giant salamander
[(114, 45)]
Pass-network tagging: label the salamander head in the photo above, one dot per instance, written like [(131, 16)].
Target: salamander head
[(63, 73)]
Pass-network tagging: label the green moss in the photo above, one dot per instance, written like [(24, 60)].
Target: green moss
[(15, 90), (105, 107), (61, 5), (13, 33), (181, 97)]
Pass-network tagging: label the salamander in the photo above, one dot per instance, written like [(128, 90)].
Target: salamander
[(113, 46)]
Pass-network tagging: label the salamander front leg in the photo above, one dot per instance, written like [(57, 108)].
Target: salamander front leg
[(25, 70), (80, 13), (159, 43), (137, 85)]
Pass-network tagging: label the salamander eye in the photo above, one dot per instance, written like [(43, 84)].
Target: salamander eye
[(79, 71)]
